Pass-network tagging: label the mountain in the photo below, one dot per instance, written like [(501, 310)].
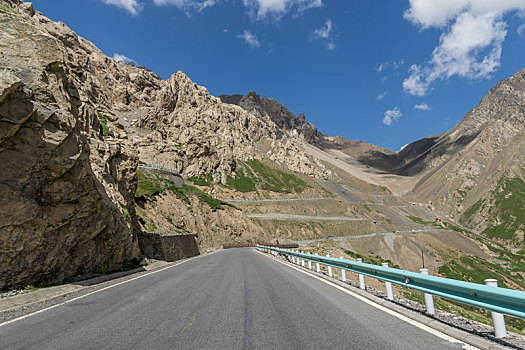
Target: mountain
[(474, 172)]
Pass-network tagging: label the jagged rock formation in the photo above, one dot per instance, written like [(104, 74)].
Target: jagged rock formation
[(269, 109)]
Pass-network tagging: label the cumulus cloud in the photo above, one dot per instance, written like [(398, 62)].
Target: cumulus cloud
[(325, 34), (422, 107), (261, 9), (250, 39), (470, 45), (118, 57), (132, 6), (392, 115), (380, 97), (187, 5)]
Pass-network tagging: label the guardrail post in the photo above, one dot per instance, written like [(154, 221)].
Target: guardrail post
[(309, 265), (343, 272), (303, 263), (361, 277), (293, 259), (317, 265), (388, 286), (500, 330), (429, 299), (330, 274)]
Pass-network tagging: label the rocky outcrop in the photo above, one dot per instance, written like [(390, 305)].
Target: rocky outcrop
[(270, 109), (64, 189)]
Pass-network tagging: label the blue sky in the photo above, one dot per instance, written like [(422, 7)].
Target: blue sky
[(385, 72)]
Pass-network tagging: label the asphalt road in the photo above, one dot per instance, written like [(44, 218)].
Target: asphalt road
[(232, 299)]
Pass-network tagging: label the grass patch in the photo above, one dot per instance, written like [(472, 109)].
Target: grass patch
[(423, 222), (508, 210), (202, 182), (150, 186), (255, 174), (470, 269), (30, 288), (103, 121), (241, 182)]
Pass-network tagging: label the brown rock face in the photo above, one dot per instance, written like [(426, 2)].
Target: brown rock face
[(63, 189)]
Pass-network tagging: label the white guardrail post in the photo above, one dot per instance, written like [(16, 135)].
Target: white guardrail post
[(318, 267), (388, 286), (309, 265), (500, 330), (429, 300), (361, 277), (303, 263), (343, 272), (330, 274)]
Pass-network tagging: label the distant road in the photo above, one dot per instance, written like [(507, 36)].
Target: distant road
[(232, 299), (304, 217)]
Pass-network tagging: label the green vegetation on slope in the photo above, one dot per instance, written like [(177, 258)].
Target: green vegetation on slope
[(444, 225), (508, 210), (103, 120), (255, 174), (149, 186), (241, 182), (423, 222)]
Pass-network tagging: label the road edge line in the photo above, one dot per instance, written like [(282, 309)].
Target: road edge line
[(5, 323)]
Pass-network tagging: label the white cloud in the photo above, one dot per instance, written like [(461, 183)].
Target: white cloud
[(187, 5), (250, 39), (261, 9), (325, 34), (470, 45), (521, 30), (118, 57), (422, 107), (380, 97), (394, 65), (392, 115), (132, 6)]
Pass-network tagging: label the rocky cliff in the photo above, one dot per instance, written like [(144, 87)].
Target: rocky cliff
[(64, 188)]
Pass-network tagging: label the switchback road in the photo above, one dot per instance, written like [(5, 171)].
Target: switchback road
[(232, 299)]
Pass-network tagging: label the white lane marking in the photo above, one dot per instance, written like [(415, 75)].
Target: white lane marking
[(102, 289), (384, 309)]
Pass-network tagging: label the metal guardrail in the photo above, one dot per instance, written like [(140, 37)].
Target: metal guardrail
[(502, 300), (247, 245), (162, 168)]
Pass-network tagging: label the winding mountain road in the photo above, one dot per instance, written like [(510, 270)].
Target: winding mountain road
[(231, 299)]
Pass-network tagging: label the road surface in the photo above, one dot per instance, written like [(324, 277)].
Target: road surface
[(231, 299)]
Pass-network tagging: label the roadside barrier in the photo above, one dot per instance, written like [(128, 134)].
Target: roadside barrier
[(498, 300)]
